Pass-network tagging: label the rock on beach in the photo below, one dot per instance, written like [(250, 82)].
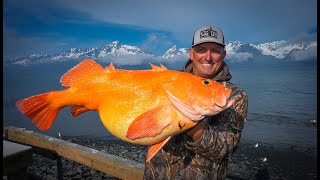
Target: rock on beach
[(246, 163)]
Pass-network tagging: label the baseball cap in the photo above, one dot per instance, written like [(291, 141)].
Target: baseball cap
[(208, 34)]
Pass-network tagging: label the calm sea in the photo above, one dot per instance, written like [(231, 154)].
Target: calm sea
[(282, 104)]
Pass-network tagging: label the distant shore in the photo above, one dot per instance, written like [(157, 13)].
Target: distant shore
[(248, 161)]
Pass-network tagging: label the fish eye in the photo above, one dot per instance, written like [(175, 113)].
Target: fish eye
[(206, 82)]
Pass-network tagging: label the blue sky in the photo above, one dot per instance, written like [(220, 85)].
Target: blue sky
[(51, 26)]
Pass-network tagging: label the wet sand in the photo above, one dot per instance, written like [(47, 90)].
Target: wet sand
[(247, 162)]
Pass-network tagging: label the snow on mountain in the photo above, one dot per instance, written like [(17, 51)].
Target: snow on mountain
[(173, 51), (74, 53), (117, 49), (280, 49), (110, 50), (236, 52), (232, 47)]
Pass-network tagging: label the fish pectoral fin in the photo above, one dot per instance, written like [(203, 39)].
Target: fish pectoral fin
[(155, 148), (76, 110), (150, 123)]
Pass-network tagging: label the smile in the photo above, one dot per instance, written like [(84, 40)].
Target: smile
[(208, 65)]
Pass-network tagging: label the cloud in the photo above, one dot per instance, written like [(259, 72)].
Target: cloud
[(13, 45), (248, 21), (17, 45), (239, 57), (179, 58), (302, 37), (181, 18), (304, 55), (144, 59), (131, 60), (137, 59), (155, 41), (53, 26)]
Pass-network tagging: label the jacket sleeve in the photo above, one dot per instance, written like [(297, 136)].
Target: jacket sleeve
[(222, 133)]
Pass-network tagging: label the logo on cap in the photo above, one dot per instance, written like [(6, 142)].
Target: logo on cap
[(209, 32)]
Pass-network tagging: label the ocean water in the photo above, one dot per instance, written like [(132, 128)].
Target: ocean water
[(282, 104)]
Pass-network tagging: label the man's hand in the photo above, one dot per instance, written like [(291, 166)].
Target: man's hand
[(196, 132)]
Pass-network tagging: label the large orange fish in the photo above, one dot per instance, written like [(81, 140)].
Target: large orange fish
[(138, 106)]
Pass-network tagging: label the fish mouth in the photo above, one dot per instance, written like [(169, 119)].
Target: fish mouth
[(220, 97), (205, 112), (220, 106)]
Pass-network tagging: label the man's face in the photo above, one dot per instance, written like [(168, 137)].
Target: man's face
[(206, 57)]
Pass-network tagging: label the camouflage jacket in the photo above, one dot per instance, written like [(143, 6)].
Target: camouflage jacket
[(207, 158)]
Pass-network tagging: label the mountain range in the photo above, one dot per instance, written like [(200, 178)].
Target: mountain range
[(237, 53)]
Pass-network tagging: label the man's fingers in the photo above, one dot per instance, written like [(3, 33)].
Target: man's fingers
[(197, 130), (230, 103)]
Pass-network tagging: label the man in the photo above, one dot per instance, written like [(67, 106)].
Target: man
[(203, 151)]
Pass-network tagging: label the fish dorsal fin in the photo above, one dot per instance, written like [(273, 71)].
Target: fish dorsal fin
[(157, 68), (154, 67), (155, 148), (110, 68), (163, 67), (150, 123), (85, 67)]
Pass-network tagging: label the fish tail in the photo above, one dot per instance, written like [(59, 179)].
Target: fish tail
[(39, 109)]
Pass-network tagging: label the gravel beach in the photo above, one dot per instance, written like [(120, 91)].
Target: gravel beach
[(249, 162)]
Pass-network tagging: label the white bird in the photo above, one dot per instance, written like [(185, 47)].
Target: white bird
[(264, 159), (256, 145), (313, 121), (59, 135)]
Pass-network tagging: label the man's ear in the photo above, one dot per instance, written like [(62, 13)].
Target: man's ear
[(191, 54), (224, 53)]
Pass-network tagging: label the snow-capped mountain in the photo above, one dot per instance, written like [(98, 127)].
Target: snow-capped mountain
[(117, 49), (236, 52), (173, 51), (279, 50), (74, 53), (231, 47), (110, 50)]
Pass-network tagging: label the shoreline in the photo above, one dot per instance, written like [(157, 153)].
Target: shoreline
[(246, 163)]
